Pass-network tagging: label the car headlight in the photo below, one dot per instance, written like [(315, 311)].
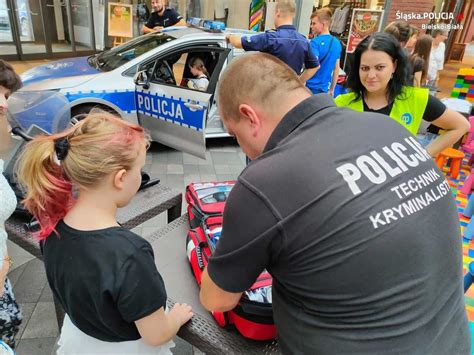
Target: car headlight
[(47, 109), (24, 100)]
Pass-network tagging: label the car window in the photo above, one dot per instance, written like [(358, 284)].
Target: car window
[(175, 69), (115, 57)]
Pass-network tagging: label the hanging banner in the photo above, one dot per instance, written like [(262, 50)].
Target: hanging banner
[(364, 22), (120, 20)]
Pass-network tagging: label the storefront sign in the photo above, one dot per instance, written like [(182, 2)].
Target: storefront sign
[(120, 20), (364, 22)]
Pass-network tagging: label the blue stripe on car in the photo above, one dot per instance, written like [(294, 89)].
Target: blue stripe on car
[(170, 110), (125, 100)]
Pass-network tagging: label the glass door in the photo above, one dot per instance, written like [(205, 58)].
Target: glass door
[(58, 26), (29, 28), (36, 29), (21, 30), (83, 26), (8, 48)]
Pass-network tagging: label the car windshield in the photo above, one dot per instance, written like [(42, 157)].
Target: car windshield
[(115, 57)]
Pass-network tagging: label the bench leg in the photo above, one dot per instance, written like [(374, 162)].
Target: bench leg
[(174, 212)]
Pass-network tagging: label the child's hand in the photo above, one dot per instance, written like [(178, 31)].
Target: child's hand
[(181, 313)]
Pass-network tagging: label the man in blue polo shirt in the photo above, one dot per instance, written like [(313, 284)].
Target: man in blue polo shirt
[(328, 50), (285, 42), (162, 17)]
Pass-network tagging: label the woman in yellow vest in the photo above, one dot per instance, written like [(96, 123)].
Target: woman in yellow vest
[(377, 80)]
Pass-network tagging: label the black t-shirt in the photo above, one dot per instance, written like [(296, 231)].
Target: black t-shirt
[(359, 230), (417, 64), (170, 17), (105, 280), (434, 109)]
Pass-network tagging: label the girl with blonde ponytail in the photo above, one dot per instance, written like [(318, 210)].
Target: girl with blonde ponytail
[(102, 274)]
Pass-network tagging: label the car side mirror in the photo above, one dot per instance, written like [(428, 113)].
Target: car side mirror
[(141, 79)]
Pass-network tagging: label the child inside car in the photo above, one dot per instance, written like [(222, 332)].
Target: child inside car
[(200, 73)]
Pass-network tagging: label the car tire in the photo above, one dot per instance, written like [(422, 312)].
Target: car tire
[(80, 112)]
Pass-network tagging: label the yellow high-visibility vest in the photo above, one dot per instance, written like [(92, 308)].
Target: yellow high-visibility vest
[(408, 108)]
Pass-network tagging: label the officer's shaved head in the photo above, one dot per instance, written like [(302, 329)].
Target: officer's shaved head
[(256, 79), (287, 7)]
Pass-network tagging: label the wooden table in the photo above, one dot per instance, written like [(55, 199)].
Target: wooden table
[(145, 205), (169, 246)]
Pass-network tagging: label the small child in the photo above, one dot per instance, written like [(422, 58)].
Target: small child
[(201, 76), (103, 275)]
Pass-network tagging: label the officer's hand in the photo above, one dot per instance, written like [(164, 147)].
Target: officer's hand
[(157, 28), (331, 92)]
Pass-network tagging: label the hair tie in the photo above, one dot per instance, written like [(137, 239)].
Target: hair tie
[(61, 147)]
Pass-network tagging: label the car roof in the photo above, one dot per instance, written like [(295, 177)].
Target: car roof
[(181, 32)]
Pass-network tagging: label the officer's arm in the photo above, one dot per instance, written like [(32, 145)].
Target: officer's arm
[(146, 29), (234, 40), (308, 74), (181, 22), (455, 125), (214, 298)]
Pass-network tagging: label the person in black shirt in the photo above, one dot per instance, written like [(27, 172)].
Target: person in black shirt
[(103, 275), (162, 17), (351, 217), (420, 59)]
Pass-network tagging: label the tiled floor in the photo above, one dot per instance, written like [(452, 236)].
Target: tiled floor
[(39, 331)]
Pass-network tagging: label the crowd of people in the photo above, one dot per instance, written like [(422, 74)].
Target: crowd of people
[(329, 205)]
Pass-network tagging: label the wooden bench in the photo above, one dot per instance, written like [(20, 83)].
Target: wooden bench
[(145, 205), (169, 246)]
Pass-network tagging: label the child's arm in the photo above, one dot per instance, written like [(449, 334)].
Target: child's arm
[(160, 327)]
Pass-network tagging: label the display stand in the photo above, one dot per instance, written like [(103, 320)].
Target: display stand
[(118, 41)]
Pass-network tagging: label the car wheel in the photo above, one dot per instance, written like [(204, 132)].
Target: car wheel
[(81, 112)]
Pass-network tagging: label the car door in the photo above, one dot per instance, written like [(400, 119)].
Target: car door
[(173, 113)]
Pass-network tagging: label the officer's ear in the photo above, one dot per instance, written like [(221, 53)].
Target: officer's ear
[(250, 117)]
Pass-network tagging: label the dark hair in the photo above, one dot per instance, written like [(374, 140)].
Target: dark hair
[(401, 30), (8, 78), (422, 50), (386, 43)]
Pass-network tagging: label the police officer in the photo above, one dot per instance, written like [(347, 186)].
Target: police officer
[(162, 17), (285, 42)]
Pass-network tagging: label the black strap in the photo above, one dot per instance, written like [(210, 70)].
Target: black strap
[(327, 52)]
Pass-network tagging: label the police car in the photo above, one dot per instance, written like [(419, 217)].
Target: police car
[(144, 81)]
